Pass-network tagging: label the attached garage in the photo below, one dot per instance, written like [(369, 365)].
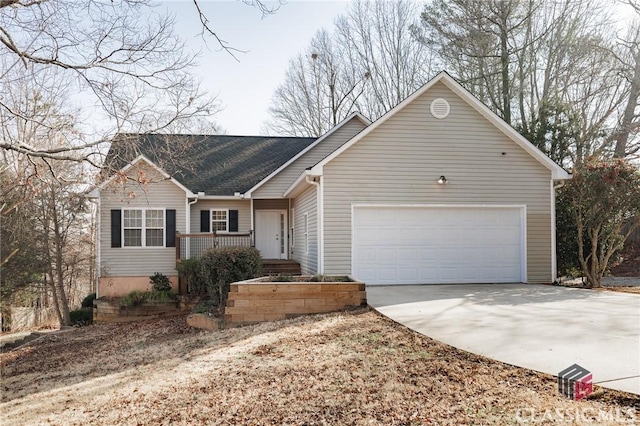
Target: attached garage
[(439, 244)]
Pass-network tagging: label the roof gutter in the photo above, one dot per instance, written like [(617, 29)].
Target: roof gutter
[(236, 196), (301, 179)]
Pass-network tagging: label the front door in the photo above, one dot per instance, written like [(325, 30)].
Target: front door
[(271, 233)]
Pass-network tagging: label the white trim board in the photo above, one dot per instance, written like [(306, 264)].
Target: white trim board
[(139, 158)]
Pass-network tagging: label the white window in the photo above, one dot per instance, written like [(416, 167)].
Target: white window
[(306, 232), (143, 227), (219, 220)]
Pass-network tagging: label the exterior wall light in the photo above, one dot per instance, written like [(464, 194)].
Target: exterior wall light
[(442, 180)]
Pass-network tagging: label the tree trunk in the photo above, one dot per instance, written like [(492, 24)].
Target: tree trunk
[(504, 63), (622, 135), (54, 294), (58, 245)]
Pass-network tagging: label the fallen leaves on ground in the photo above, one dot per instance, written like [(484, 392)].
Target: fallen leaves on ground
[(342, 368)]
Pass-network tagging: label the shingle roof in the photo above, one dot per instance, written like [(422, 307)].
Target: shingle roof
[(214, 164)]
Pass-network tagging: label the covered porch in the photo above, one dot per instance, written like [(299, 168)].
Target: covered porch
[(193, 246), (236, 221)]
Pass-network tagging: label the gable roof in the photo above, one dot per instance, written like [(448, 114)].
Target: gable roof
[(141, 159), (557, 172), (354, 115), (213, 164)]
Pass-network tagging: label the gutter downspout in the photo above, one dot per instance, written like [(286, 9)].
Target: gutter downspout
[(188, 222), (319, 217), (97, 247)]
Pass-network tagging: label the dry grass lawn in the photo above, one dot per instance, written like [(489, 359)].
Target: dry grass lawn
[(344, 368)]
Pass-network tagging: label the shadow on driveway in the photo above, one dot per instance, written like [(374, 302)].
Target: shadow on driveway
[(540, 327)]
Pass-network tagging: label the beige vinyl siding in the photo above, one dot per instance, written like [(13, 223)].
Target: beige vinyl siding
[(276, 186), (306, 203), (400, 162), (243, 207), (139, 261)]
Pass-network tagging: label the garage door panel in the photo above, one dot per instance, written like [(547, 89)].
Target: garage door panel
[(422, 245)]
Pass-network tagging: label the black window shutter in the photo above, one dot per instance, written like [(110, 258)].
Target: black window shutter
[(170, 238), (205, 221), (116, 228), (233, 220)]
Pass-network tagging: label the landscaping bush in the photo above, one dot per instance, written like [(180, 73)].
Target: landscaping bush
[(190, 271), (82, 317), (282, 278), (136, 298), (205, 307), (160, 282), (330, 278), (87, 302), (220, 267)]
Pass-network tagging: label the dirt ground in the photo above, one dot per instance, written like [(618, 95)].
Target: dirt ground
[(343, 368), (630, 266)]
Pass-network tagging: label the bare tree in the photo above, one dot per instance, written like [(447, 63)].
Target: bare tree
[(370, 63), (53, 256), (377, 37), (479, 43), (131, 71), (627, 133), (527, 59), (44, 193), (320, 90), (60, 211)]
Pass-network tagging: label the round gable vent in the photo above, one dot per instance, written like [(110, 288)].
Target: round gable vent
[(440, 108)]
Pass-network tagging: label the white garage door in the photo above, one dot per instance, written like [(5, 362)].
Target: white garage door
[(434, 245)]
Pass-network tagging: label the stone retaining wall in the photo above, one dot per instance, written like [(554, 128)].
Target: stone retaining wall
[(107, 310)]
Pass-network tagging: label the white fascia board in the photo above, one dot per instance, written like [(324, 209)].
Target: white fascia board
[(219, 197), (181, 186), (557, 172), (297, 185), (138, 159), (93, 193), (356, 115)]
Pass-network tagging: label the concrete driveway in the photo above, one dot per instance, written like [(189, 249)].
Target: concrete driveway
[(543, 328)]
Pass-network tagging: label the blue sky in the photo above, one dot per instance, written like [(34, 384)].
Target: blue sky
[(245, 87)]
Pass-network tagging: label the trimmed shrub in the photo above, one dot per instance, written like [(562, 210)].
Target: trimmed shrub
[(222, 266), (81, 317), (87, 302), (190, 271), (160, 282)]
